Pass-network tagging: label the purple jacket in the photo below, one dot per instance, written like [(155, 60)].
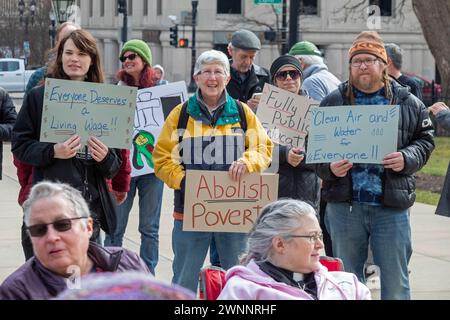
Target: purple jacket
[(32, 281), (251, 283)]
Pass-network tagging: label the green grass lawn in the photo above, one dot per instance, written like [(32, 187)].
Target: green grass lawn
[(436, 166), (438, 162)]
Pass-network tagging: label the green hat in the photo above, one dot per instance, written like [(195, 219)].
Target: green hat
[(140, 47), (305, 48)]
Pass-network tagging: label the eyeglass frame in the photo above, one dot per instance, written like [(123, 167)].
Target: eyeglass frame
[(367, 62), (130, 57), (61, 229), (312, 238), (216, 73), (285, 73)]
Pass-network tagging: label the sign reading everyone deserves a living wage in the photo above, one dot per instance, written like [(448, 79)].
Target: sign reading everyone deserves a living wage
[(215, 203), (153, 105), (88, 109), (361, 134), (285, 115)]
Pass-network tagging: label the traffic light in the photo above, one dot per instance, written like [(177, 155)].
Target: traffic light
[(122, 6), (174, 36), (183, 43)]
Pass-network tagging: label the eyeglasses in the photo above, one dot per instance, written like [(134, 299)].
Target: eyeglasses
[(312, 238), (39, 230), (368, 62), (282, 75), (216, 73), (130, 57)]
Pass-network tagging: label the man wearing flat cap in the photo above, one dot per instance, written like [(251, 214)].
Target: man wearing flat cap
[(247, 78), (370, 202)]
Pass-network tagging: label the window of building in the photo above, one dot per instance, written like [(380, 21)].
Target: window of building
[(91, 8), (159, 7), (308, 7), (116, 8), (385, 6), (102, 8), (130, 7), (229, 6), (145, 8)]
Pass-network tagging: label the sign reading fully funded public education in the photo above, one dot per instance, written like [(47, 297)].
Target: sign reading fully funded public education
[(215, 203), (285, 116), (361, 134), (88, 109), (153, 105)]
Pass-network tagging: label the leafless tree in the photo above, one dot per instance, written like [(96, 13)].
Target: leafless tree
[(435, 22)]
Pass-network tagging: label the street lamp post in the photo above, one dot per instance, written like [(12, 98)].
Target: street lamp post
[(192, 86), (123, 9), (52, 31), (24, 20)]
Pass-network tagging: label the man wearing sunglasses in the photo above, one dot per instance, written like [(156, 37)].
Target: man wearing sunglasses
[(58, 221)]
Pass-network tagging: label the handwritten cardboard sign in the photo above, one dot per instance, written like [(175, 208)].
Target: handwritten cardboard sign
[(215, 203), (153, 105), (88, 109), (361, 134), (285, 115)]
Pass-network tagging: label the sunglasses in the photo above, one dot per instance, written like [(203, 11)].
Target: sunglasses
[(130, 57), (39, 230), (282, 75)]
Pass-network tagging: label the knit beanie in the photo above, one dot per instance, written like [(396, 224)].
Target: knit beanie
[(368, 42), (283, 61), (305, 48), (140, 47)]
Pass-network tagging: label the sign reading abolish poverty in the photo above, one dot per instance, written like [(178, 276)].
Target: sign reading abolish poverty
[(88, 109), (285, 115), (361, 134), (153, 105), (215, 203)]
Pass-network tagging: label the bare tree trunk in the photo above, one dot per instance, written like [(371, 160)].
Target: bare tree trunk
[(434, 19)]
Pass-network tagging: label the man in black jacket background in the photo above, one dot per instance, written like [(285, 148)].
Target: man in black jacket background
[(247, 78), (370, 202)]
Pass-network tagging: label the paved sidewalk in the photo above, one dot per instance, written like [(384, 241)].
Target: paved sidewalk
[(430, 262)]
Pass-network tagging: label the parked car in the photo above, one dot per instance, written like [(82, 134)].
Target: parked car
[(13, 76), (427, 88)]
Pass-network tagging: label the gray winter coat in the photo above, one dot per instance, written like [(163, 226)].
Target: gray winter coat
[(8, 117)]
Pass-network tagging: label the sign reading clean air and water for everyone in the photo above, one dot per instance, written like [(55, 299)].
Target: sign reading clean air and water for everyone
[(88, 109), (215, 203), (361, 134), (285, 116)]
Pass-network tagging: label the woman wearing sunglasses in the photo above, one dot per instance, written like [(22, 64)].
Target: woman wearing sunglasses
[(297, 180), (77, 59), (58, 221), (136, 71), (282, 260)]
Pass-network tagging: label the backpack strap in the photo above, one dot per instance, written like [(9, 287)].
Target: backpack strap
[(243, 121), (182, 120)]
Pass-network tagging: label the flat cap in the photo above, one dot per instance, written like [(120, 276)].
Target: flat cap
[(245, 39)]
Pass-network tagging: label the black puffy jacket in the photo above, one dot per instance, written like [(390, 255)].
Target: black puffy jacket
[(415, 142), (243, 90), (8, 117)]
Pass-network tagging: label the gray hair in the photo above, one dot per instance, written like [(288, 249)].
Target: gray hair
[(160, 68), (395, 53), (278, 218), (310, 60), (46, 189), (212, 56)]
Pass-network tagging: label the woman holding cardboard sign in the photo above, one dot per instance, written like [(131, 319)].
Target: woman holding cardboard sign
[(77, 59), (297, 180), (220, 134)]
